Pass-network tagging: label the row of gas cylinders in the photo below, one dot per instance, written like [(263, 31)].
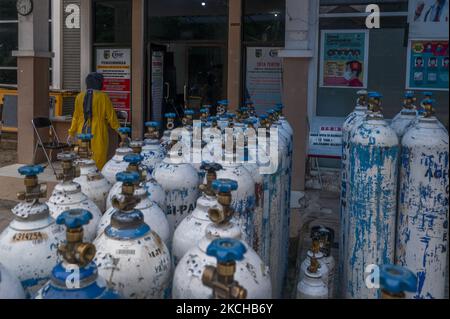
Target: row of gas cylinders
[(394, 197), (147, 226)]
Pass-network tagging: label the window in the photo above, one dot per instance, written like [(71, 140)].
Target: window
[(112, 22), (8, 42), (180, 20), (264, 21)]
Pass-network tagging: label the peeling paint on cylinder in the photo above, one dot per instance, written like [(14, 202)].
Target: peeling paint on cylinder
[(180, 183), (403, 121), (422, 236), (28, 245), (93, 184), (352, 121), (153, 154), (373, 158), (10, 287)]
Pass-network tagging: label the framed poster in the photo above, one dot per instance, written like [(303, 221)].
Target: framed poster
[(428, 19), (115, 65), (427, 66), (344, 58), (264, 77)]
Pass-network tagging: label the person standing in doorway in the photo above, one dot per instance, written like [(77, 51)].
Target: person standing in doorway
[(93, 113)]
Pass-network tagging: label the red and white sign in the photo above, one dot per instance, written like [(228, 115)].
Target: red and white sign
[(115, 65)]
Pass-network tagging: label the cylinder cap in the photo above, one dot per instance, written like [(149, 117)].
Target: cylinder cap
[(212, 118), (224, 185), (397, 279), (223, 102), (74, 218), (204, 110), (226, 250), (409, 94), (30, 170), (263, 117), (231, 115), (154, 124), (251, 121), (375, 95), (428, 94), (170, 115), (124, 130), (127, 177), (271, 111), (207, 166), (133, 158), (189, 112)]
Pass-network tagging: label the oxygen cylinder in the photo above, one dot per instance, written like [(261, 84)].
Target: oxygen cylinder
[(221, 278), (251, 272), (192, 228), (10, 287), (67, 195), (130, 255), (407, 116), (284, 142), (152, 151), (180, 183), (153, 215), (312, 285), (422, 233), (326, 239), (93, 184), (322, 268), (373, 165), (352, 121), (116, 164), (76, 277), (395, 281), (28, 244)]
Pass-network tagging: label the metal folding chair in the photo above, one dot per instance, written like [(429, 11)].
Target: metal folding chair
[(53, 144)]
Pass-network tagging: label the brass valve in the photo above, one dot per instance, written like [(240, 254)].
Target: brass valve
[(70, 171), (188, 119), (221, 278), (75, 251), (325, 236), (362, 98), (223, 189), (124, 136), (211, 175), (126, 201), (409, 100), (375, 103), (83, 149), (33, 190), (427, 105), (152, 131), (315, 265)]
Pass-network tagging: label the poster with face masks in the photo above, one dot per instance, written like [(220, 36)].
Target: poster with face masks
[(344, 58), (428, 65)]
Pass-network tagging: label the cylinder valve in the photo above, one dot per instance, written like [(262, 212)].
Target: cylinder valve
[(395, 280), (152, 130), (74, 251), (211, 175), (374, 104), (362, 98), (409, 100), (188, 119), (221, 278), (70, 171), (170, 117), (33, 190), (134, 161), (223, 189), (427, 106), (126, 201), (124, 133)]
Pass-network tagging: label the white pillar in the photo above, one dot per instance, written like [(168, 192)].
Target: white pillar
[(86, 52)]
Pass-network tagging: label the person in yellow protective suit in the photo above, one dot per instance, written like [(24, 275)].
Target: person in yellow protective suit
[(93, 113)]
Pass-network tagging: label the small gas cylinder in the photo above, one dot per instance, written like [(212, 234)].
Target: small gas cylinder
[(251, 272), (67, 195), (93, 184), (153, 215), (132, 257), (116, 164), (152, 151), (407, 116), (326, 239), (192, 228), (221, 278), (422, 224), (312, 285), (395, 281), (76, 277), (28, 244), (10, 287), (180, 183), (373, 166), (352, 121), (315, 253)]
